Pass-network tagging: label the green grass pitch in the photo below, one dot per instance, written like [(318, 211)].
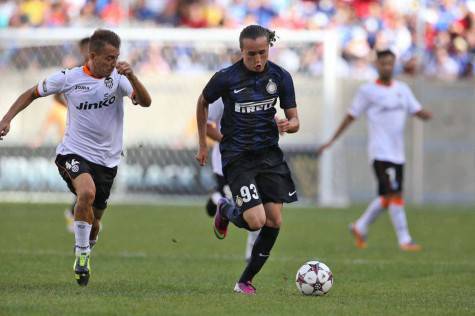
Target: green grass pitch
[(165, 260)]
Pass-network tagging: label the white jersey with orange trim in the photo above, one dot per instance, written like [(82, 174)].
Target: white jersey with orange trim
[(215, 113), (94, 126), (386, 108)]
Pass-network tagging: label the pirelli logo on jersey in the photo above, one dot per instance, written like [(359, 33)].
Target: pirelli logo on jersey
[(108, 100), (251, 107)]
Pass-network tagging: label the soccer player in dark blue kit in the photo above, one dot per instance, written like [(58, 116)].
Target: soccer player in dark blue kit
[(253, 164)]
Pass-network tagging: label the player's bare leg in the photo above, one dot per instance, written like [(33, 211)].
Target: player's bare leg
[(273, 214), (96, 226), (252, 219), (255, 217), (83, 219)]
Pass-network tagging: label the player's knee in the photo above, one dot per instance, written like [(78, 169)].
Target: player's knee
[(256, 222), (274, 222), (86, 196), (255, 226)]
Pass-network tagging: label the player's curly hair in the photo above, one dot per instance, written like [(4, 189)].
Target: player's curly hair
[(255, 31)]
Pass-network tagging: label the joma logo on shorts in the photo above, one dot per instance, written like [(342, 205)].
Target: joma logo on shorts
[(96, 105)]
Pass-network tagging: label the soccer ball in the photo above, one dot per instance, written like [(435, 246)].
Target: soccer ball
[(314, 278)]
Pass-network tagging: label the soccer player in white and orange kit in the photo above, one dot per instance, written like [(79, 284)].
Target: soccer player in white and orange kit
[(88, 156), (386, 103)]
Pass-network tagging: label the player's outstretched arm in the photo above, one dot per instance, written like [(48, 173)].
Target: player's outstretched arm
[(202, 119), (142, 97), (23, 101), (343, 126), (423, 115), (291, 123)]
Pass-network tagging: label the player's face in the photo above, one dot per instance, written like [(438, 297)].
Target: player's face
[(385, 67), (255, 53), (105, 60)]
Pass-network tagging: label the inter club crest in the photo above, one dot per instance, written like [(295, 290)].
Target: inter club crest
[(109, 82), (239, 201), (271, 87)]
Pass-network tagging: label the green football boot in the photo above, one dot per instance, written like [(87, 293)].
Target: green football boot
[(82, 268)]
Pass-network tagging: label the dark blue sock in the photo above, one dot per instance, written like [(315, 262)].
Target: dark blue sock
[(260, 252), (210, 207)]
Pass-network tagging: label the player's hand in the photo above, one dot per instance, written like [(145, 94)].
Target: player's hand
[(123, 68), (282, 124), (202, 155), (424, 115), (4, 128), (323, 148)]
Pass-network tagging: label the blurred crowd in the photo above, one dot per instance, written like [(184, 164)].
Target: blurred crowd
[(445, 29)]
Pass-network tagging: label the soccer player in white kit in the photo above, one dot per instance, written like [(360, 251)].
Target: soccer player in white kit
[(386, 103), (88, 156), (213, 131)]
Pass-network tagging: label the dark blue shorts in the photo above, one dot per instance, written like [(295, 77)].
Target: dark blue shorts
[(259, 177)]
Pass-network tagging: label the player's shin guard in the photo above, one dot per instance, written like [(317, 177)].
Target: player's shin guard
[(82, 230), (260, 252)]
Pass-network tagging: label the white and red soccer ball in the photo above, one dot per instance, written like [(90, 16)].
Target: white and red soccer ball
[(314, 278)]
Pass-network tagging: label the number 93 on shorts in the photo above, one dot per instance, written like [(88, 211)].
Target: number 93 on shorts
[(252, 188)]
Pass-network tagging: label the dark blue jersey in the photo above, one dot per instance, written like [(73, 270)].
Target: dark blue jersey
[(249, 99)]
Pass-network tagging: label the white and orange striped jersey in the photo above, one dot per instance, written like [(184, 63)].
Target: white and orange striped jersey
[(386, 108), (95, 119)]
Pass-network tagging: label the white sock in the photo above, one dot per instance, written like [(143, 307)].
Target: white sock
[(372, 211), (398, 217), (251, 239), (215, 197), (82, 231)]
